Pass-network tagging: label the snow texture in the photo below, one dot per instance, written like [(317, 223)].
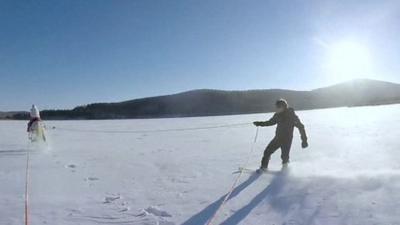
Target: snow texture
[(348, 176)]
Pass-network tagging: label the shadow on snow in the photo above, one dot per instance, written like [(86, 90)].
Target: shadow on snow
[(204, 215), (272, 189)]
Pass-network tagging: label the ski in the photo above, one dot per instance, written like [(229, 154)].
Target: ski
[(260, 171), (250, 170)]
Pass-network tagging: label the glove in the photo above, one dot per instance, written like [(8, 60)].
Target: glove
[(257, 123), (304, 144)]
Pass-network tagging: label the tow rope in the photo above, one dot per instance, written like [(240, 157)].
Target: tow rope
[(27, 179), (153, 131), (236, 181)]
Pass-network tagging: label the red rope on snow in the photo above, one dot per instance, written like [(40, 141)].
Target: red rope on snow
[(27, 188), (210, 222)]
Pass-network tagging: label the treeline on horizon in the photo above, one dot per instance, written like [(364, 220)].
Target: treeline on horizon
[(90, 115), (215, 102)]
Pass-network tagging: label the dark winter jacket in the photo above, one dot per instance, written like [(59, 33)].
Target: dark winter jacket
[(286, 121), (33, 120)]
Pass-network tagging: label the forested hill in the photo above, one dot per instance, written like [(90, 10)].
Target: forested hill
[(216, 102)]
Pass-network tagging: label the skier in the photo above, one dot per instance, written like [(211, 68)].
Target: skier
[(35, 116), (286, 119), (35, 129)]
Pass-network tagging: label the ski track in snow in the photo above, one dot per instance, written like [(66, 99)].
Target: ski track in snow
[(349, 176)]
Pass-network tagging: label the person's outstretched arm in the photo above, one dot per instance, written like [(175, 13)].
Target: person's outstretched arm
[(303, 135), (271, 122)]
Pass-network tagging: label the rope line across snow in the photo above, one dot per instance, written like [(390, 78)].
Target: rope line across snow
[(27, 178), (155, 130), (210, 222), (148, 131)]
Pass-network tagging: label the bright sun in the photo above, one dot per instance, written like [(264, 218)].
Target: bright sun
[(349, 60)]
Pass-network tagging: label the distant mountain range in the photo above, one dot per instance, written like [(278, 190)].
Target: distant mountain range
[(208, 102)]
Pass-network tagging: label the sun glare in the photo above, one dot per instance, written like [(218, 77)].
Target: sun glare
[(349, 60)]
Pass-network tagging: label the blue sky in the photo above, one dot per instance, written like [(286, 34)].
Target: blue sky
[(59, 54)]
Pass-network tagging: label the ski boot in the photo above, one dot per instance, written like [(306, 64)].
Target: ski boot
[(262, 170), (285, 166)]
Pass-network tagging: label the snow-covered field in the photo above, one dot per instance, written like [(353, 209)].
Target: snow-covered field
[(350, 174)]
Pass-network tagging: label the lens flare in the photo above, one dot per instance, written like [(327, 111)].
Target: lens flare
[(349, 60)]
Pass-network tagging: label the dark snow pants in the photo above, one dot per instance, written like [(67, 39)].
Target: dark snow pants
[(283, 143)]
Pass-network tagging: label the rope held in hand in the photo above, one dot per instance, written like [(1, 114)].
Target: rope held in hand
[(210, 222)]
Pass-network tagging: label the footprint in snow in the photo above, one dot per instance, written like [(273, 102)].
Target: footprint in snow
[(91, 179), (157, 212), (71, 166), (110, 199), (124, 209)]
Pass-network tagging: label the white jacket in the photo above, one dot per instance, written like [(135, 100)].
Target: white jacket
[(35, 112)]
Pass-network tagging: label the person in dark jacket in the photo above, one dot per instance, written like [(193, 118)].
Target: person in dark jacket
[(286, 119)]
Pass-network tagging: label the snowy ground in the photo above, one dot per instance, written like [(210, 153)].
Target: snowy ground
[(350, 175)]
